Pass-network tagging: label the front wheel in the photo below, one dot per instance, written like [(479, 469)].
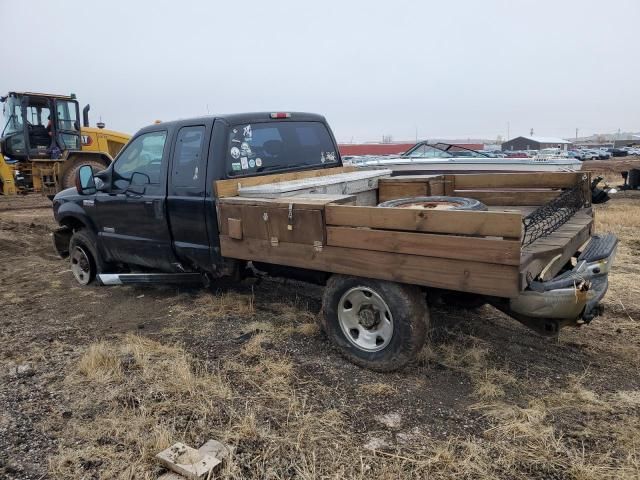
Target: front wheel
[(376, 324), (84, 258)]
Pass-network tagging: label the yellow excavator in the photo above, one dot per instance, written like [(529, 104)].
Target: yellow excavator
[(42, 144)]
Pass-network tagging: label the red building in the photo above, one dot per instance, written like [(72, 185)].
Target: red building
[(389, 148), (374, 148)]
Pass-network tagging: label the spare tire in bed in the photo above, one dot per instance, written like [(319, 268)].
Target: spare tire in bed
[(436, 203)]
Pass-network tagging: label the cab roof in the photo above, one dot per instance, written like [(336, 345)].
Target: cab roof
[(48, 95), (238, 118)]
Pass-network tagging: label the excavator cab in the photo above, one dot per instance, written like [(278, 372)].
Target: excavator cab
[(39, 126), (42, 143)]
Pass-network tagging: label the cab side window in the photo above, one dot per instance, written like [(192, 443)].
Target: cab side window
[(143, 156), (188, 168)]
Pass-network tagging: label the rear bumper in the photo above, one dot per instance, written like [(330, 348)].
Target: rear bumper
[(572, 297)]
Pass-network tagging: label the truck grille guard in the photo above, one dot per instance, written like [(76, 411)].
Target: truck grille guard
[(547, 218)]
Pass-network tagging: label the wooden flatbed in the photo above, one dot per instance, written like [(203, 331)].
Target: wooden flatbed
[(469, 251)]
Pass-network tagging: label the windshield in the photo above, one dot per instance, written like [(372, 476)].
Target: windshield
[(426, 151), (270, 146), (12, 116), (441, 150)]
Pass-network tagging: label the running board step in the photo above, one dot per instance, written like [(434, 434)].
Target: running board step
[(149, 278)]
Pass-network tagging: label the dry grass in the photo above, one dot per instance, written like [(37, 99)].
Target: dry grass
[(142, 396), (378, 389), (134, 396)]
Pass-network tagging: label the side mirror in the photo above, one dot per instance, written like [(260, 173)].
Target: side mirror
[(138, 183), (85, 183)]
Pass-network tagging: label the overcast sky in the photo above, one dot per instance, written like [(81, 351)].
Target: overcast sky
[(445, 68)]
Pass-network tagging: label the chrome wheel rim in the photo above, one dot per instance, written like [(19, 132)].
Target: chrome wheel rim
[(81, 265), (365, 319)]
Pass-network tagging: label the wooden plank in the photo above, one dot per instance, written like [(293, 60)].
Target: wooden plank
[(391, 191), (411, 179), (460, 222), (504, 252), (518, 180), (449, 184), (465, 276), (509, 197), (536, 256), (310, 201), (229, 188), (437, 187), (410, 186), (234, 225)]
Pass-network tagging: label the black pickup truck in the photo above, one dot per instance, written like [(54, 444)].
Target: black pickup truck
[(154, 208), (198, 199)]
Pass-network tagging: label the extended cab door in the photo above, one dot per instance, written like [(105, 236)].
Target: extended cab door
[(186, 194), (131, 214)]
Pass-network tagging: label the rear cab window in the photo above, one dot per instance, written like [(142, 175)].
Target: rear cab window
[(278, 145)]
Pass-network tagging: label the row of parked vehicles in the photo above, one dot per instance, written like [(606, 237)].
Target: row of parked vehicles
[(603, 153), (581, 154)]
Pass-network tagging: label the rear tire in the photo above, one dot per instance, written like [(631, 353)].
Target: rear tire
[(375, 324), (69, 175), (84, 257)]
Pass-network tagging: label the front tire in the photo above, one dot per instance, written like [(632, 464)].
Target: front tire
[(375, 324), (84, 258)]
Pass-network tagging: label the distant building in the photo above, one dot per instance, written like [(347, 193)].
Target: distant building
[(627, 143), (535, 143)]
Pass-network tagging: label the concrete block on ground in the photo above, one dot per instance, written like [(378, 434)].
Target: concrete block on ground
[(187, 462)]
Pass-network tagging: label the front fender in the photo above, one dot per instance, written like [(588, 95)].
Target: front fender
[(73, 215), (61, 239)]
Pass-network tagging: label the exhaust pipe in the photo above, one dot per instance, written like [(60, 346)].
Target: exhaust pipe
[(85, 115)]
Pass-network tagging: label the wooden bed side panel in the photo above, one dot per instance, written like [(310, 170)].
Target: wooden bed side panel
[(518, 180), (489, 250), (459, 222), (512, 197), (229, 187), (410, 186), (465, 276), (391, 191)]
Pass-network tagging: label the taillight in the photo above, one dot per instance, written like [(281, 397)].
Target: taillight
[(280, 115)]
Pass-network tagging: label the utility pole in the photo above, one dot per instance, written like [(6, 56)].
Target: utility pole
[(576, 134), (508, 131)]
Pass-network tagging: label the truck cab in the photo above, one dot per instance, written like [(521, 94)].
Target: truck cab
[(154, 207)]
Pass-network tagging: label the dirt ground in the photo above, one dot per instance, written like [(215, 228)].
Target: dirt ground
[(94, 381)]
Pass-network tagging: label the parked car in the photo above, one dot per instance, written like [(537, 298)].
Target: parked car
[(618, 152), (575, 154), (588, 155), (601, 154)]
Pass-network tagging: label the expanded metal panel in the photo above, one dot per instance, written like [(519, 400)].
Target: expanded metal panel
[(549, 217)]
